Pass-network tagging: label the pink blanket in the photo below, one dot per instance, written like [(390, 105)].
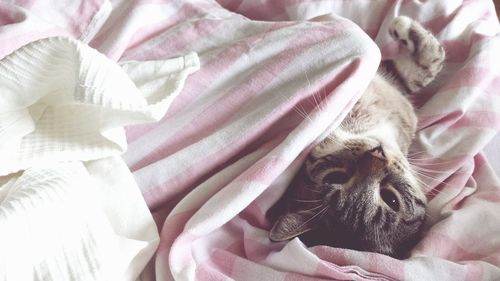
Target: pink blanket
[(233, 139)]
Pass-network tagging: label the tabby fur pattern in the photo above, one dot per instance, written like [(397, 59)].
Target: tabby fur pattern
[(357, 189)]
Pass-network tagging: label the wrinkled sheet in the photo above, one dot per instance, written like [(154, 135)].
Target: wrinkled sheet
[(69, 206), (233, 139)]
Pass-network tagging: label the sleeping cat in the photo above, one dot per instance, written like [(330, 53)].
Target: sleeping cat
[(356, 189)]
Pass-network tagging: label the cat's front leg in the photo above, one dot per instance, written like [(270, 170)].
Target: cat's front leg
[(425, 54)]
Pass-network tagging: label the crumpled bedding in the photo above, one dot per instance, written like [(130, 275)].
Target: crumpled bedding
[(69, 206), (271, 85)]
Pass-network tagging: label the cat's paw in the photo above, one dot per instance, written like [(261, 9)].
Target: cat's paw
[(421, 43), (400, 29)]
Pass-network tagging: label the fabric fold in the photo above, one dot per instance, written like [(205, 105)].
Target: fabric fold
[(69, 207), (62, 98)]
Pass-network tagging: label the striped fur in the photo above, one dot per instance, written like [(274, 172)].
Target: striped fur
[(356, 190)]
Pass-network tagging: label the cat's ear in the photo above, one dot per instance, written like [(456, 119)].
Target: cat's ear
[(291, 225)]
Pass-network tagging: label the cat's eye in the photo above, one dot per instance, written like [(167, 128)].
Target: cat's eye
[(337, 177), (390, 199)]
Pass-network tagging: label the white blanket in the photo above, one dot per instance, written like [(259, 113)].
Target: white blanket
[(69, 206)]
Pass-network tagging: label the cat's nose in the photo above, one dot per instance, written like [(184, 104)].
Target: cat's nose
[(373, 162), (378, 152)]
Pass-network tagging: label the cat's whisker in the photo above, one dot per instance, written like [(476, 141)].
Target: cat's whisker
[(302, 112), (316, 103), (439, 175), (418, 173), (312, 190), (428, 186), (432, 177), (413, 172), (412, 169), (323, 94), (416, 152), (308, 201), (428, 215), (314, 216), (435, 171), (425, 161), (420, 156), (431, 158), (439, 183), (314, 208), (423, 184), (434, 193)]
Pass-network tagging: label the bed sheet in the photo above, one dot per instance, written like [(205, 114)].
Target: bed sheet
[(232, 140), (492, 152), (69, 206)]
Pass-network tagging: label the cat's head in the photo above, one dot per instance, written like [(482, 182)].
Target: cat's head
[(362, 196)]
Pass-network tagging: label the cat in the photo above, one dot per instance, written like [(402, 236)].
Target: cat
[(356, 189)]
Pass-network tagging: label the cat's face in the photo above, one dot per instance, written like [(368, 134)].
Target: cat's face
[(368, 199)]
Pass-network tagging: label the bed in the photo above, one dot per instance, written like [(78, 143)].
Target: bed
[(221, 102)]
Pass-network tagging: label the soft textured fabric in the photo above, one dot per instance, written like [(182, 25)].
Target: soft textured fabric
[(236, 134), (69, 207)]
